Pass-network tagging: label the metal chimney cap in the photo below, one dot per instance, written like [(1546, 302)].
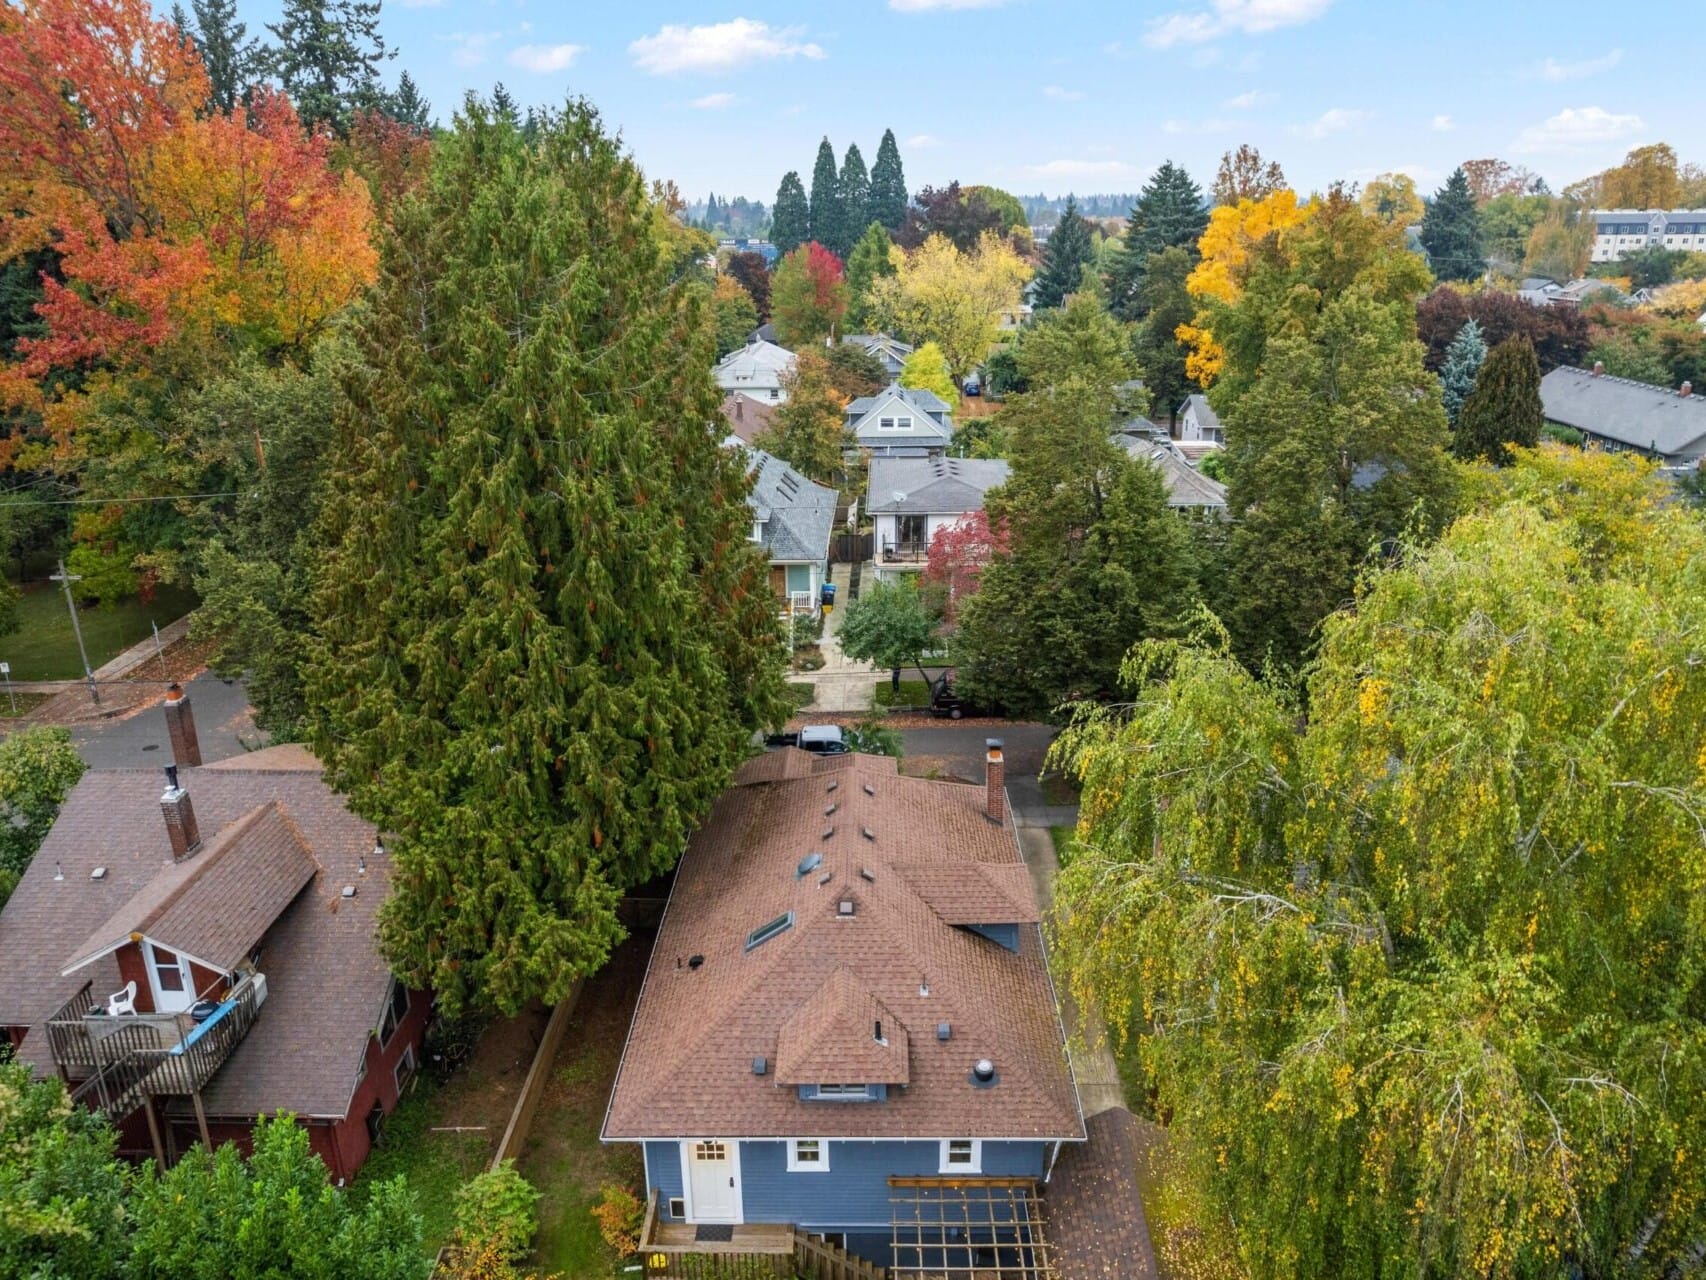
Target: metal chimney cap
[(172, 778)]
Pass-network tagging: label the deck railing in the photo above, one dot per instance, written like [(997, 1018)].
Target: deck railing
[(906, 552), (753, 1251)]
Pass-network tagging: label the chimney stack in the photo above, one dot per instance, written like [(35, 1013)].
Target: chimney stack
[(1599, 368), (1686, 390), (181, 827), (995, 783), (180, 727)]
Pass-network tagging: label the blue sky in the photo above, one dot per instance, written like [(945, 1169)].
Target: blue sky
[(1059, 95)]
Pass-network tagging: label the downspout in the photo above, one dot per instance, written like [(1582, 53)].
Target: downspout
[(1053, 1156)]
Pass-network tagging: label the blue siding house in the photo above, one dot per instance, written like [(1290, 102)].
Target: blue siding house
[(848, 1011)]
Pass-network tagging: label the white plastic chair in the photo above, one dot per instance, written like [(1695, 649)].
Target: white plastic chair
[(121, 1002)]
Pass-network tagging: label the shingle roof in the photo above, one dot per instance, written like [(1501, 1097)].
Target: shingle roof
[(687, 1067), (746, 415), (215, 904), (1636, 414), (1206, 416), (758, 364), (932, 486), (1186, 486), (798, 514), (326, 982), (919, 398), (832, 1037), (973, 895)]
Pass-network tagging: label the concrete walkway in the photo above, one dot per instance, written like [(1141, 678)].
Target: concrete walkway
[(841, 686)]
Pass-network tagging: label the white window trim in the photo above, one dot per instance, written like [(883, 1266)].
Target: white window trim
[(820, 1165), (976, 1164)]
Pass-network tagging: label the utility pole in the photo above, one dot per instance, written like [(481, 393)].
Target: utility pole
[(77, 627)]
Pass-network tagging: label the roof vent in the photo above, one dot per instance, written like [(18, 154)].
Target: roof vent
[(944, 1031), (99, 873), (867, 833), (870, 790), (694, 961), (846, 908), (877, 1032), (865, 874), (828, 809), (59, 871), (808, 864), (832, 786), (983, 1074), (826, 877), (760, 1065), (923, 987), (827, 833), (349, 891)]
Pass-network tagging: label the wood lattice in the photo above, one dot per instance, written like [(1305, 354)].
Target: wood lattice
[(968, 1229)]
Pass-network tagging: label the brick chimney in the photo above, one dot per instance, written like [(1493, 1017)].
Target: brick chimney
[(1599, 368), (181, 826), (1685, 390), (995, 782), (180, 727)]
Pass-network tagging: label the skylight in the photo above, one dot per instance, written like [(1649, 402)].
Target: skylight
[(759, 936), (808, 864)]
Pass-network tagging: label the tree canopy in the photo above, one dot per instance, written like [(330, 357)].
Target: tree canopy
[(1244, 175), (954, 299), (888, 185), (928, 368), (791, 220), (1414, 976), (806, 430), (1451, 232), (1169, 213), (1066, 255), (808, 296), (1503, 408)]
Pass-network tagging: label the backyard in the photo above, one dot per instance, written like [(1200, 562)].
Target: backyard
[(44, 647)]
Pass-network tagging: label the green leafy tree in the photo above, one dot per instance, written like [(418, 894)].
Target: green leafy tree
[(1094, 561), (1165, 304), (1504, 407), (981, 438), (234, 61), (274, 1214), (1413, 975), (328, 57), (889, 196), (62, 1212), (808, 296), (1463, 361), (853, 186), (791, 220), (890, 625), (1451, 232), (543, 637), (854, 371), (499, 1206), (732, 315), (927, 368), (1068, 252), (869, 262), (1507, 222), (826, 216), (38, 768), (1169, 213), (807, 430)]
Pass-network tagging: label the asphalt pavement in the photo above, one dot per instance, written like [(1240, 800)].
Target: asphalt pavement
[(957, 750), (224, 728)]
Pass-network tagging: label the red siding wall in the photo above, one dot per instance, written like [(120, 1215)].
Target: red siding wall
[(132, 968)]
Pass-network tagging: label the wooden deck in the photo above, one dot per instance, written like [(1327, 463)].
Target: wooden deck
[(748, 1237)]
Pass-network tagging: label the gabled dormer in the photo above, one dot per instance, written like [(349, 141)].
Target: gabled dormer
[(843, 1044), (990, 900)]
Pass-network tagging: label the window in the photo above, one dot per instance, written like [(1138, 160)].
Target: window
[(962, 1155), (396, 1008), (885, 424), (860, 1091), (759, 936), (808, 1155), (903, 424), (168, 970), (775, 394), (405, 1069)]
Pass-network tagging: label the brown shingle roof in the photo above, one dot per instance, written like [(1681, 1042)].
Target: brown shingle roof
[(326, 982), (687, 1068), (746, 416), (215, 904), (832, 1037), (973, 895)]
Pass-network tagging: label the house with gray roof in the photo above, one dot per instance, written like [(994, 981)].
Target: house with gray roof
[(1199, 423), (792, 518), (1619, 413), (911, 500), (1187, 488), (901, 422), (758, 369), (891, 351)]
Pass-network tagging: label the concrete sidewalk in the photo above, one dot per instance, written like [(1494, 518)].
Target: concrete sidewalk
[(841, 686)]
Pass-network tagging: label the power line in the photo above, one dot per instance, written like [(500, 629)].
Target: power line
[(102, 502)]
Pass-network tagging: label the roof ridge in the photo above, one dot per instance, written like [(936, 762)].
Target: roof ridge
[(216, 853)]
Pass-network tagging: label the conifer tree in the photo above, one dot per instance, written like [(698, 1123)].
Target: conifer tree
[(233, 59), (1451, 232), (1504, 408), (1169, 212), (868, 263), (1166, 304), (791, 220), (1069, 250), (826, 198), (543, 636), (503, 103), (854, 185), (328, 58), (407, 105), (888, 185), (1463, 361)]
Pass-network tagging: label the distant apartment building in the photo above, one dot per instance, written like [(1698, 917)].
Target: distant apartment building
[(1619, 232)]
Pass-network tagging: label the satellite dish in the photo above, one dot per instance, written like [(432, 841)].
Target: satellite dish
[(900, 495)]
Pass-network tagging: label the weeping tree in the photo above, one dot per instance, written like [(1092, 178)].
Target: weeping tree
[(543, 636), (1416, 977)]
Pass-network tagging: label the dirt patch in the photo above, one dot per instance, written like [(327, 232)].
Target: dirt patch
[(484, 1091), (181, 661)]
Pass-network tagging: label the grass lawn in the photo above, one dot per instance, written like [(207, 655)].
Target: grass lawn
[(1065, 839), (1058, 789), (26, 703), (43, 647), (913, 693), (799, 693), (435, 1164)]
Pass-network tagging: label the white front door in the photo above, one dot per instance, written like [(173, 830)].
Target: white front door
[(169, 975), (713, 1180)]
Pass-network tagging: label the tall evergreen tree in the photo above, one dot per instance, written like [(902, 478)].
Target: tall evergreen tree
[(826, 197), (791, 220), (543, 637), (1451, 232), (888, 185), (868, 263), (855, 188), (408, 106), (1069, 250), (1166, 304), (328, 57), (1169, 212), (1504, 408), (234, 61), (1463, 361), (504, 104)]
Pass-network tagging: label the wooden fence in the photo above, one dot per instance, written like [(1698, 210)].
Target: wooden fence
[(538, 1076), (820, 1260)]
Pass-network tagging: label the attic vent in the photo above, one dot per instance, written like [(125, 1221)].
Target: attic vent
[(349, 891), (769, 929), (829, 809), (865, 874), (870, 790), (867, 833), (831, 787), (760, 1066), (808, 864), (846, 908), (944, 1031), (99, 873), (827, 833)]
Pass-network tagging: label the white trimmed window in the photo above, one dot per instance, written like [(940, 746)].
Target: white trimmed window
[(808, 1155), (962, 1155)]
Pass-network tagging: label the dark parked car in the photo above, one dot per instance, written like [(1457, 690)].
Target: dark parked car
[(946, 702), (974, 384)]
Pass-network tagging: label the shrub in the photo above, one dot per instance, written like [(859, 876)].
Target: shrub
[(620, 1214), (500, 1207)]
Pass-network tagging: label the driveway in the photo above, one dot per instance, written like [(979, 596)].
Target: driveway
[(957, 750)]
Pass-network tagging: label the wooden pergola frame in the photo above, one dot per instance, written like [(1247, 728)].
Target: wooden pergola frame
[(990, 1228)]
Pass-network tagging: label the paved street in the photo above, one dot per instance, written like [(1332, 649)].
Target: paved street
[(223, 728)]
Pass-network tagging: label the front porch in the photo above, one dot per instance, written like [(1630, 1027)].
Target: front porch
[(742, 1251)]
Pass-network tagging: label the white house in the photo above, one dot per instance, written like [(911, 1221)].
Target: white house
[(757, 370), (911, 500), (891, 352), (1198, 422), (902, 422), (1623, 231)]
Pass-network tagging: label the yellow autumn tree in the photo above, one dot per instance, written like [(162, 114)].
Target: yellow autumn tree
[(939, 294), (1233, 234)]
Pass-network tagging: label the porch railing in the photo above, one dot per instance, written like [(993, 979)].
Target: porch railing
[(676, 1251), (906, 552)]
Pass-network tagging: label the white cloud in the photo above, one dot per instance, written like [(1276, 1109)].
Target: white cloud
[(1231, 17), (1329, 122), (925, 6), (471, 46), (1244, 101), (923, 141), (1576, 127), (1444, 124), (713, 102), (1058, 94), (1558, 72), (1074, 169), (720, 46), (544, 59)]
